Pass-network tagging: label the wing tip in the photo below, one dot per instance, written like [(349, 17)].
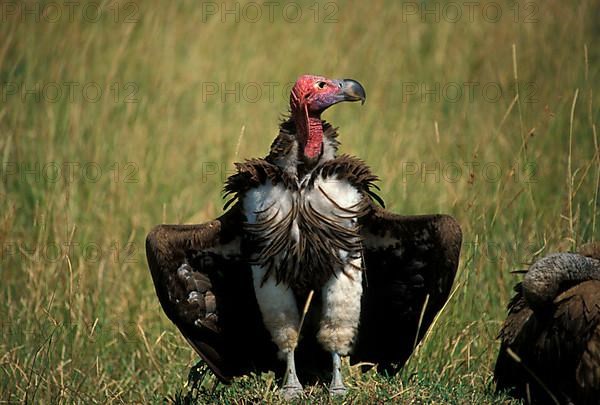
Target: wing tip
[(212, 359), (153, 246), (153, 235)]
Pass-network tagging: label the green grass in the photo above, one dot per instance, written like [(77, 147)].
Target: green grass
[(82, 324)]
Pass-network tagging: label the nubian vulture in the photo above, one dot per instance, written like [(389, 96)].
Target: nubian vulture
[(550, 350), (304, 220)]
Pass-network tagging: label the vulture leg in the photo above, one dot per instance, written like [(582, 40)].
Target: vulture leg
[(291, 385), (337, 386), (339, 324), (280, 315)]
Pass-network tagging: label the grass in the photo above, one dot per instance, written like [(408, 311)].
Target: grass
[(84, 177)]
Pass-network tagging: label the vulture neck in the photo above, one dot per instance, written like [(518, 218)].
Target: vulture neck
[(288, 148), (309, 130), (547, 277)]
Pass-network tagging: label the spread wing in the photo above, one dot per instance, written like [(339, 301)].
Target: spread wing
[(206, 289), (410, 265)]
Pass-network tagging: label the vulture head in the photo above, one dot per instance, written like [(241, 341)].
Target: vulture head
[(310, 96)]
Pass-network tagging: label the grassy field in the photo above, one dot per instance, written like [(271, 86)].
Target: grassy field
[(116, 116)]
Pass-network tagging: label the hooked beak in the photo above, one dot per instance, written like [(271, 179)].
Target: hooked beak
[(351, 90)]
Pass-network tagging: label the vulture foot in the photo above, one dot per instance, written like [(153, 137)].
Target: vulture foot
[(290, 392), (337, 388), (291, 386)]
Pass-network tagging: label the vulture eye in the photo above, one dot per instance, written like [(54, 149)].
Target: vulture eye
[(322, 85)]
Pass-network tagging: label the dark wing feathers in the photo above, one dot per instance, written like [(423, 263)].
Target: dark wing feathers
[(250, 174), (407, 259), (350, 168), (205, 288), (519, 319), (577, 322), (588, 370), (356, 172), (559, 346)]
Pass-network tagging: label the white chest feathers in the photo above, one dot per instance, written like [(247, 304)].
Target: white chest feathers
[(330, 198), (304, 235)]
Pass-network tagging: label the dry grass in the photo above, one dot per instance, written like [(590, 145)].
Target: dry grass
[(79, 319)]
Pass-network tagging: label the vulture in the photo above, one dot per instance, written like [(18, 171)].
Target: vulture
[(305, 222), (550, 341)]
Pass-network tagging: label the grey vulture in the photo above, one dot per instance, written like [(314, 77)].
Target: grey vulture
[(550, 341), (304, 220)]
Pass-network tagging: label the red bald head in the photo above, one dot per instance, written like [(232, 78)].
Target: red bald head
[(310, 96), (314, 94)]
